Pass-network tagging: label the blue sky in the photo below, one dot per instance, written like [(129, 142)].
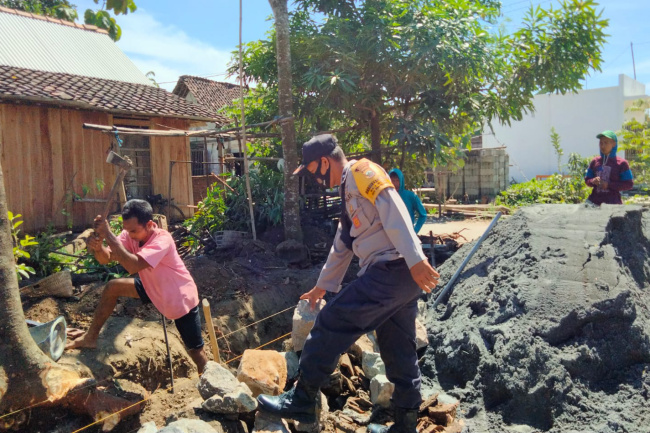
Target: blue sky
[(196, 37)]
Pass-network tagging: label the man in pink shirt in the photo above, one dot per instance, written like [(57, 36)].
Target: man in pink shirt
[(144, 249)]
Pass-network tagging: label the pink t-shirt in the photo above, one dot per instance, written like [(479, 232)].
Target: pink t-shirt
[(167, 282)]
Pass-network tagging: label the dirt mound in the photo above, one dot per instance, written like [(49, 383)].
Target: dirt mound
[(548, 327)]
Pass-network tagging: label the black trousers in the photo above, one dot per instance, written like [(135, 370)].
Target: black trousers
[(384, 299)]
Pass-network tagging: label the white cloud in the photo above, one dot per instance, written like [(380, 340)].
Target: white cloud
[(168, 50)]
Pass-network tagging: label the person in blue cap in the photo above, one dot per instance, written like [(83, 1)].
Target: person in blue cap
[(608, 174), (411, 200), (376, 227)]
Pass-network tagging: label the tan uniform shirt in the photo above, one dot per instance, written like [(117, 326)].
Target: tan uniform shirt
[(383, 231)]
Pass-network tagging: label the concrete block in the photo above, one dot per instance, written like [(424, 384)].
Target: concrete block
[(303, 321), (216, 380), (264, 371), (238, 401), (381, 390), (372, 364)]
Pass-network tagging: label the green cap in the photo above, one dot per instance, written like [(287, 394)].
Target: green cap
[(608, 134)]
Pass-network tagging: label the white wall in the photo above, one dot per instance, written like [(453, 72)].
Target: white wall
[(577, 118)]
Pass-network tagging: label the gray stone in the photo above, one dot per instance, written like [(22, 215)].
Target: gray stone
[(238, 401), (315, 427), (372, 364), (303, 321), (363, 344), (270, 424), (216, 380), (287, 346), (292, 251), (148, 427), (188, 426), (381, 390), (422, 308), (292, 364), (421, 339)]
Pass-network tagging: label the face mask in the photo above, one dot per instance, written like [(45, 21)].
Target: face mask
[(322, 179)]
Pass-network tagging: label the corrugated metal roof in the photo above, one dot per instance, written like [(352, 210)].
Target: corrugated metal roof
[(38, 44)]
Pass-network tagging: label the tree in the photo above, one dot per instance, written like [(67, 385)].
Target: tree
[(424, 75), (635, 140), (292, 227), (555, 142), (27, 375), (152, 77), (62, 9)]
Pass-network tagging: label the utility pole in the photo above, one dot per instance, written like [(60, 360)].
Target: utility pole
[(633, 65)]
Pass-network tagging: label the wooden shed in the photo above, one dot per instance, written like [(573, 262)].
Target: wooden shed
[(53, 167)]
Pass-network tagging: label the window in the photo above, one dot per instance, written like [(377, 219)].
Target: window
[(137, 182)]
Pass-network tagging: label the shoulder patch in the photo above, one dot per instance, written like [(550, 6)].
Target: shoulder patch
[(370, 178)]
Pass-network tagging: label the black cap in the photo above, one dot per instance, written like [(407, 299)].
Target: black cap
[(314, 149)]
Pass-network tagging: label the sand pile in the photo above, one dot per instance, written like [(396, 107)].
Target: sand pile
[(548, 327)]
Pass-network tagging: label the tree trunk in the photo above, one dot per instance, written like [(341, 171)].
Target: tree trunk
[(375, 137), (28, 376), (292, 228)]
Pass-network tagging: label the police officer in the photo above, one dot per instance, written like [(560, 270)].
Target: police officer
[(376, 227)]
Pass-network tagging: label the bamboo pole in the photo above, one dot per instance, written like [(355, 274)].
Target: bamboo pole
[(169, 192), (243, 124), (213, 338)]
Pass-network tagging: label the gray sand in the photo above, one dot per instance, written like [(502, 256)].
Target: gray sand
[(548, 327)]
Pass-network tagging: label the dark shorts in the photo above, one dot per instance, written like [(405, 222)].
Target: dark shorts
[(189, 326)]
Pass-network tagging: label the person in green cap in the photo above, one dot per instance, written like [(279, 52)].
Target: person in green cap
[(608, 174)]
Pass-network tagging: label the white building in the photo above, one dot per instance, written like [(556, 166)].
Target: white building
[(577, 118)]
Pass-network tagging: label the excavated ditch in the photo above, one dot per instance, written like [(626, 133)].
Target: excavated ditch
[(548, 328)]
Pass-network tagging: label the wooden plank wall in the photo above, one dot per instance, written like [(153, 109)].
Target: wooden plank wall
[(46, 154), (165, 149)]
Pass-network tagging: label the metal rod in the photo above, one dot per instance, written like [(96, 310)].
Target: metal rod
[(89, 200), (451, 282), (169, 356)]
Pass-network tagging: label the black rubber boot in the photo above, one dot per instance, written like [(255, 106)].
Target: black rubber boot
[(300, 403), (406, 421)]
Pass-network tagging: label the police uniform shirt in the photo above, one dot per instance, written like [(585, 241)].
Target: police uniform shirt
[(380, 224)]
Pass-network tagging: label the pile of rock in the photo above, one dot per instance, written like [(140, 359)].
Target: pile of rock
[(358, 393)]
